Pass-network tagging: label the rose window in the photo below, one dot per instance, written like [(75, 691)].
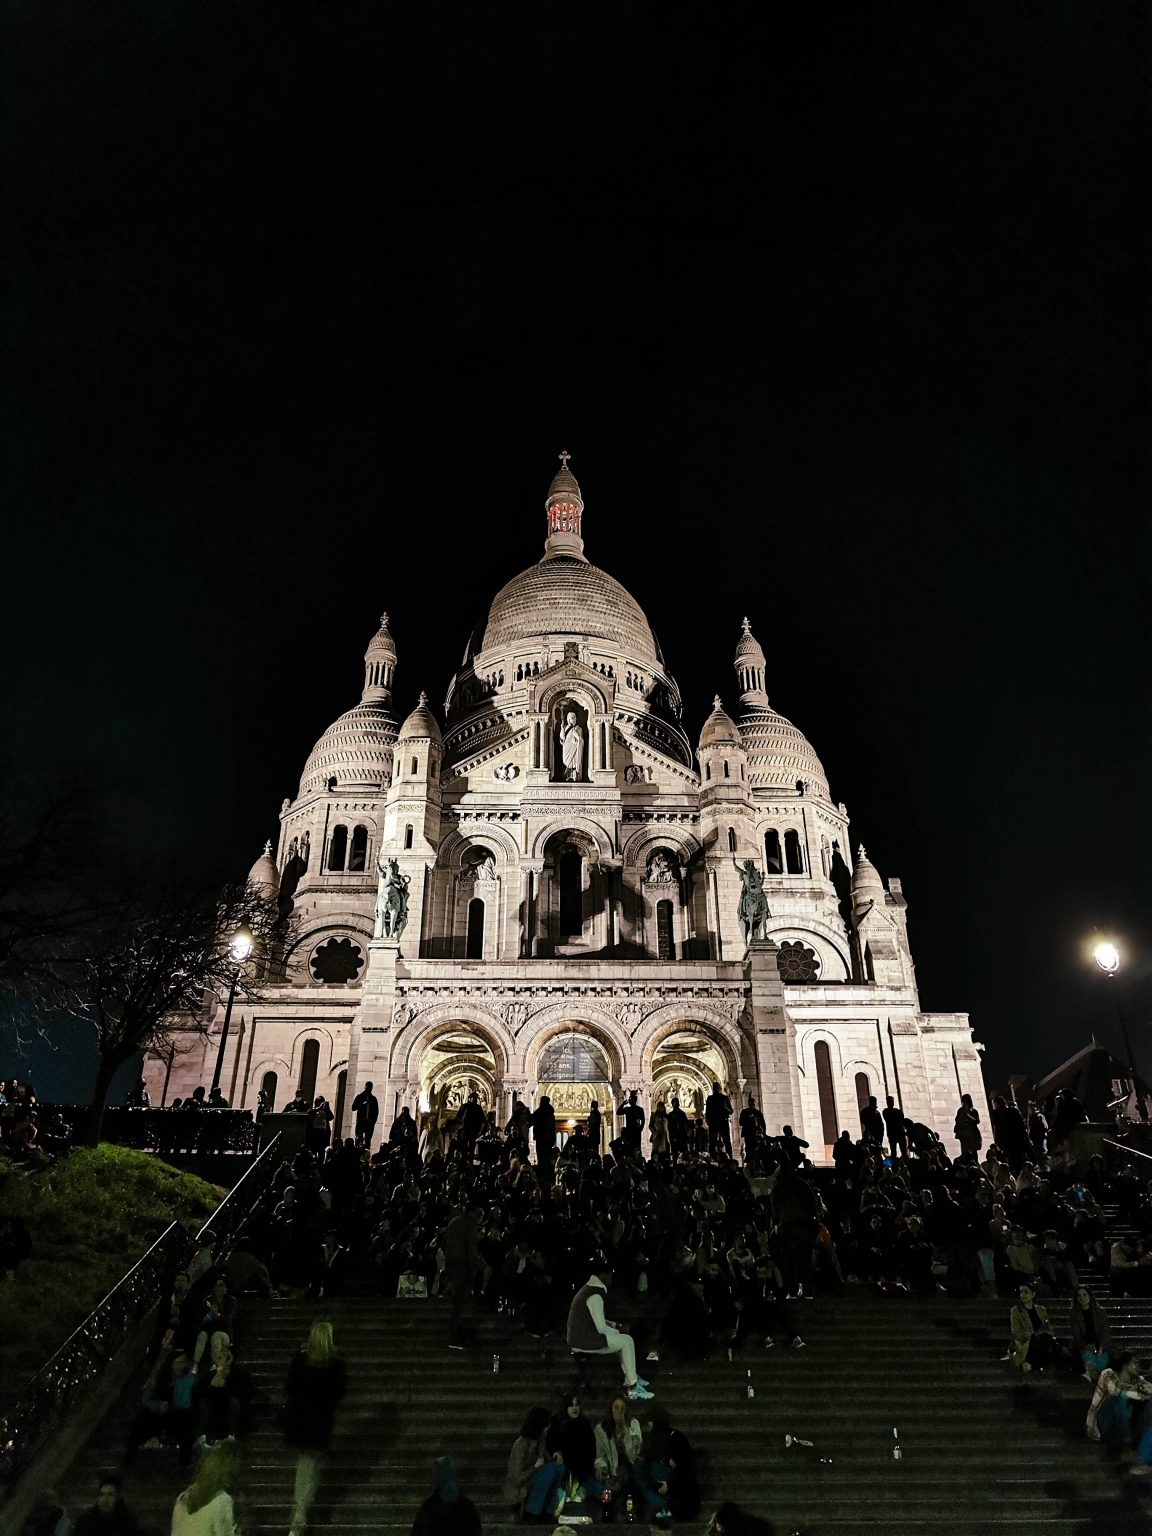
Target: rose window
[(337, 960), (796, 962)]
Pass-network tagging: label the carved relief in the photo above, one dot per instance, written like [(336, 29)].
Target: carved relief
[(637, 773), (515, 1015), (506, 772)]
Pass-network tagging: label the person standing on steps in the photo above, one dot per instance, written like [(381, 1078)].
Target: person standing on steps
[(717, 1114), (633, 1117), (872, 1122), (366, 1108), (461, 1246), (893, 1118), (595, 1127), (590, 1332), (967, 1127), (316, 1384), (544, 1136), (677, 1130)]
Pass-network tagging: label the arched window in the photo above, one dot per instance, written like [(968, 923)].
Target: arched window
[(863, 1089), (707, 770), (665, 941), (408, 835), (731, 839), (309, 1062), (772, 861), (570, 870), (726, 773), (830, 1126), (337, 847), (358, 854), (474, 944), (869, 968), (415, 766), (268, 1085), (793, 855)]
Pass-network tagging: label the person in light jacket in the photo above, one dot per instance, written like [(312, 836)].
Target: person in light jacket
[(528, 1455), (618, 1439), (590, 1332)]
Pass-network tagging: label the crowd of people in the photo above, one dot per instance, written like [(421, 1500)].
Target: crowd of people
[(29, 1135), (709, 1247)]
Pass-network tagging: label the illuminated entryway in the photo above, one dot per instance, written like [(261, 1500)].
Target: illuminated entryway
[(686, 1064), (575, 1072)]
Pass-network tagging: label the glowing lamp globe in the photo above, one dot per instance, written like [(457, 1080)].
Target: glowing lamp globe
[(1107, 957), (240, 946)]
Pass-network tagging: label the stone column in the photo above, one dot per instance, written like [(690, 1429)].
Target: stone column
[(775, 1040)]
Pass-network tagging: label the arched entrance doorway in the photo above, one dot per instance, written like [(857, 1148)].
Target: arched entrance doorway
[(685, 1065), (455, 1065), (575, 1072)]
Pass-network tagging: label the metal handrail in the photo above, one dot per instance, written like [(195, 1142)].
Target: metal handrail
[(54, 1389), (1128, 1151)]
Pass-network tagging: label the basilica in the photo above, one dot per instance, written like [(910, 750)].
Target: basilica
[(544, 889)]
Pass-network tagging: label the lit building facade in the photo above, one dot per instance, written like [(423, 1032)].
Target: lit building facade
[(572, 869)]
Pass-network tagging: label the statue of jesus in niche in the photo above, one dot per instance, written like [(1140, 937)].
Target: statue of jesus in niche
[(571, 741)]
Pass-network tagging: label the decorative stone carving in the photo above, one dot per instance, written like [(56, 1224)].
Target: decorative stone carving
[(661, 870), (515, 1015), (631, 1015), (402, 1014), (505, 773), (391, 900), (637, 773)]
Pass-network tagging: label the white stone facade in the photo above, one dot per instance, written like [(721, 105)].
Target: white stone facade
[(573, 892)]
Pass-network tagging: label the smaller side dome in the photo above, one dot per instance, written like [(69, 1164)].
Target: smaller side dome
[(420, 724), (264, 875), (719, 731), (867, 886)]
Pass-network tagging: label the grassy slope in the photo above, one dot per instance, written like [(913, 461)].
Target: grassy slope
[(90, 1217)]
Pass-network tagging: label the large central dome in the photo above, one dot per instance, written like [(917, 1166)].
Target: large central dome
[(565, 595)]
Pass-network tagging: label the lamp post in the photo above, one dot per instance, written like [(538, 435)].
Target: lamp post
[(1107, 957), (239, 949)]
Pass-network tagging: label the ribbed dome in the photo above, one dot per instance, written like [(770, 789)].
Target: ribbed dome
[(356, 749), (420, 723), (779, 754), (564, 595), (718, 730)]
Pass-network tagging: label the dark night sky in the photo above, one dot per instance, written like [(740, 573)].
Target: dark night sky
[(840, 315)]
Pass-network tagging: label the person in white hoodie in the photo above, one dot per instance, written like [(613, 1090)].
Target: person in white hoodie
[(590, 1332)]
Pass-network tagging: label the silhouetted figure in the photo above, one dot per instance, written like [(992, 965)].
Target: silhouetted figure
[(893, 1118)]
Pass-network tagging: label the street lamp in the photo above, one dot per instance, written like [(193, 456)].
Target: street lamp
[(239, 948), (1107, 957)]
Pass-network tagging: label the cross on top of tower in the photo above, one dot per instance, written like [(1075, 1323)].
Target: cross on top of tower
[(564, 457)]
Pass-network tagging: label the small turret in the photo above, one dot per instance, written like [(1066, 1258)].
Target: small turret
[(565, 507), (750, 665), (379, 665)]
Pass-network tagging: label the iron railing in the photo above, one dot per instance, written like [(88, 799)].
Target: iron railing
[(56, 1388)]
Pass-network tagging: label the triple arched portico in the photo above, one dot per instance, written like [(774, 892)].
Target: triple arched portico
[(576, 1051)]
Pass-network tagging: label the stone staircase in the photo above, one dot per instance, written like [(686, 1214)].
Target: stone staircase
[(985, 1450)]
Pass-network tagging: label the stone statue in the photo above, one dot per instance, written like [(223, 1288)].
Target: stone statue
[(391, 900), (572, 748), (752, 912), (661, 870)]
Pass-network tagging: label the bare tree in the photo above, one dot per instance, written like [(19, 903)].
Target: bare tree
[(144, 974)]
